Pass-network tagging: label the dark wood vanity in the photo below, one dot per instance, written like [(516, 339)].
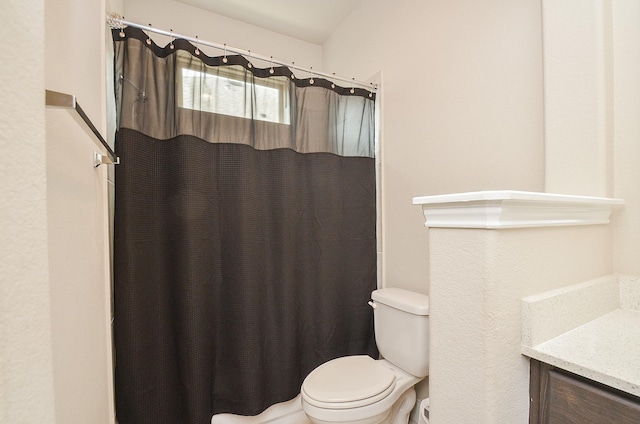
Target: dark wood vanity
[(560, 397)]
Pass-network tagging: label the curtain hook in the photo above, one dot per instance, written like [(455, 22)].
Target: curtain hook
[(197, 52), (293, 76), (249, 65), (224, 59), (148, 37), (311, 80), (353, 89), (373, 88), (271, 70), (122, 34), (171, 43), (333, 85)]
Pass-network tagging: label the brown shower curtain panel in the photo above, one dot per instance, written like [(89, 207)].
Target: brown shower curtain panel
[(245, 231)]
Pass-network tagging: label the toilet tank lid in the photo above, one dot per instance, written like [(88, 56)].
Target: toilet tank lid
[(405, 300)]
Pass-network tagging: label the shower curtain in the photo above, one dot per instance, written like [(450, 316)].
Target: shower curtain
[(245, 231)]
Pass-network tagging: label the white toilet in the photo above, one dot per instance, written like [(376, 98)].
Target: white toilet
[(361, 390)]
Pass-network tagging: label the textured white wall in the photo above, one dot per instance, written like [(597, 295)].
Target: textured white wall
[(26, 371), (578, 97), (478, 278)]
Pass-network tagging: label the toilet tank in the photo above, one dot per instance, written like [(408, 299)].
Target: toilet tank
[(401, 320)]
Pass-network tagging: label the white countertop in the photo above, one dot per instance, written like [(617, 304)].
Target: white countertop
[(591, 329), (606, 350)]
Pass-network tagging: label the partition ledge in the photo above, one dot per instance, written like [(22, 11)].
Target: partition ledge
[(500, 209)]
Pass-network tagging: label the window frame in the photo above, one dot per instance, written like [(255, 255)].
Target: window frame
[(239, 74)]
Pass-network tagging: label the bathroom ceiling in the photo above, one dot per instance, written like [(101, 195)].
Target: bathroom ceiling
[(309, 20)]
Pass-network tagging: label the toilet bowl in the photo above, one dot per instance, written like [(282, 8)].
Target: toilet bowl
[(357, 389), (360, 390)]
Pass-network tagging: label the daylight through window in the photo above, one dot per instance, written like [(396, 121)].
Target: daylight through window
[(235, 92)]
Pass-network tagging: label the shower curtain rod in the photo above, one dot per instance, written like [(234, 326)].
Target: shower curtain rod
[(117, 23)]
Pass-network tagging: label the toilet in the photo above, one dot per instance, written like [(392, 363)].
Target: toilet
[(360, 390)]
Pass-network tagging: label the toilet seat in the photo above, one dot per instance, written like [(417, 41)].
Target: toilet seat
[(348, 382)]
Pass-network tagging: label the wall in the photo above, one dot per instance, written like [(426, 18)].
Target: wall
[(77, 209), (192, 21), (462, 106), (592, 92), (78, 215), (26, 370), (578, 97), (54, 341), (79, 275), (478, 278), (626, 57)]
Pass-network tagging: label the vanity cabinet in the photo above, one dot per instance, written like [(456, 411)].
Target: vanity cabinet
[(560, 397)]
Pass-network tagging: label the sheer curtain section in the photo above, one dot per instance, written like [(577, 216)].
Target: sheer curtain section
[(169, 93)]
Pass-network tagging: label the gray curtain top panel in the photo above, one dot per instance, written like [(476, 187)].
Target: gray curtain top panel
[(167, 92)]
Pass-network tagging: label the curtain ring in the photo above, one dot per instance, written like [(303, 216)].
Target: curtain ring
[(249, 65), (122, 34), (293, 76), (333, 85), (149, 38), (353, 89), (171, 43), (311, 80), (197, 52), (224, 59), (271, 70)]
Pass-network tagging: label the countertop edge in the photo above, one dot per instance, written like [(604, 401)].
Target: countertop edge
[(590, 371)]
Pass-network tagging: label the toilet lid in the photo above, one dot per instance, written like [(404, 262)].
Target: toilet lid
[(348, 382)]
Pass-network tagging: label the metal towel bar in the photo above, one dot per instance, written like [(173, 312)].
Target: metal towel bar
[(68, 101)]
